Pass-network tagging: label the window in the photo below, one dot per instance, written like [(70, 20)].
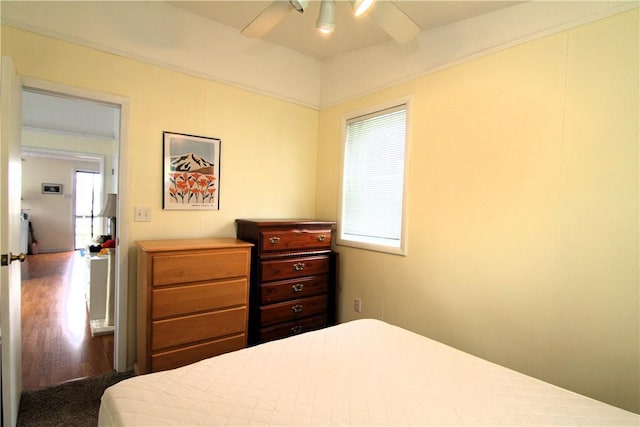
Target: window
[(373, 179), (87, 195)]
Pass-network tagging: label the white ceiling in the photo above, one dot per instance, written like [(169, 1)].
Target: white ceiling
[(297, 31), (49, 112)]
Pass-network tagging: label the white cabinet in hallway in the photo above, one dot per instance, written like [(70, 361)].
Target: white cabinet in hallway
[(96, 293)]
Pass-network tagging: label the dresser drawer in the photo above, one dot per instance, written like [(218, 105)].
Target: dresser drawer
[(181, 300), (185, 355), (293, 328), (291, 310), (195, 267), (294, 267), (297, 288), (295, 239), (197, 327)]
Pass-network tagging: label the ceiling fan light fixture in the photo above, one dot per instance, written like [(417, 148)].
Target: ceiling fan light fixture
[(326, 20), (360, 7), (299, 5)]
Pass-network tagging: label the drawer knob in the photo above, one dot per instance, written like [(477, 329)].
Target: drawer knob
[(298, 266), (297, 287), (296, 329), (321, 238), (274, 240), (297, 308)]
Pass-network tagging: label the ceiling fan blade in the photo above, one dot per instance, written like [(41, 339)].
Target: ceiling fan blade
[(394, 21), (267, 19)]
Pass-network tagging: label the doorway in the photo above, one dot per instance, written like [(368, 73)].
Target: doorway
[(113, 171)]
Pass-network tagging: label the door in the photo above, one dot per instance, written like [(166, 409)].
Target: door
[(10, 188)]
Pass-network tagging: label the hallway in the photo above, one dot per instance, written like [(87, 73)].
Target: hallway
[(57, 345)]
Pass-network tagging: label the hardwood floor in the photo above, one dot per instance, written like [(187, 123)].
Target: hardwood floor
[(57, 345)]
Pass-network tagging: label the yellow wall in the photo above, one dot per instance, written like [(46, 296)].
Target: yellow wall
[(523, 195), (523, 210), (268, 163), (268, 146)]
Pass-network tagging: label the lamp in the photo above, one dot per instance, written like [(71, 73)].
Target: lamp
[(299, 5), (110, 210), (326, 20), (361, 6)]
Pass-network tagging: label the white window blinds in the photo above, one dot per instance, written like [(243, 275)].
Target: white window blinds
[(373, 177)]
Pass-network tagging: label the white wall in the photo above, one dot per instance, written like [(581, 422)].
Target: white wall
[(103, 150), (51, 215)]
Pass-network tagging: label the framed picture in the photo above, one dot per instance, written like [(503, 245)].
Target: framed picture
[(51, 188), (191, 172)]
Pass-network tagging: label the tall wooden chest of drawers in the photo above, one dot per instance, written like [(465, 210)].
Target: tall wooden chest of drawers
[(192, 300), (293, 277)]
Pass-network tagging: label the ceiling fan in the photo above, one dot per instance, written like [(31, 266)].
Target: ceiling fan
[(384, 13)]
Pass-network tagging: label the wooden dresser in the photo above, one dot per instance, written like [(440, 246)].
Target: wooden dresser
[(293, 277), (192, 300)]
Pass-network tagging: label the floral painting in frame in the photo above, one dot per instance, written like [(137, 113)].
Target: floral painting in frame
[(191, 172)]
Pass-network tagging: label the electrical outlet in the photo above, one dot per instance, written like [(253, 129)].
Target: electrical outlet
[(142, 214), (357, 305)]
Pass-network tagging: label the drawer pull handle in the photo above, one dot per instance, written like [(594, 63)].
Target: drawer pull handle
[(298, 266), (296, 329), (321, 238), (297, 287), (297, 308), (274, 240)]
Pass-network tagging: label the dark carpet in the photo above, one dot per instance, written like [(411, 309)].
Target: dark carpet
[(72, 404)]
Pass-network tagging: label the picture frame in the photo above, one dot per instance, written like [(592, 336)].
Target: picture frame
[(48, 188), (191, 172)]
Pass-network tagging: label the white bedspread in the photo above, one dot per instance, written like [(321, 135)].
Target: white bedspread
[(364, 372)]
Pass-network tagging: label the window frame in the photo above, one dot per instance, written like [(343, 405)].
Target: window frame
[(369, 111)]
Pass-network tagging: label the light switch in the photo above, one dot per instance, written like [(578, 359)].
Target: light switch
[(142, 214)]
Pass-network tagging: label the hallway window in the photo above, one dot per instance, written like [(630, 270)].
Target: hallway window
[(88, 193)]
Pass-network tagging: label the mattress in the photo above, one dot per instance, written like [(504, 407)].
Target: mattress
[(364, 372)]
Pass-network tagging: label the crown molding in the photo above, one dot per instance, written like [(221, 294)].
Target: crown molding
[(387, 64), (172, 38), (162, 34)]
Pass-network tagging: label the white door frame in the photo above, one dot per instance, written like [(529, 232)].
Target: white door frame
[(122, 265)]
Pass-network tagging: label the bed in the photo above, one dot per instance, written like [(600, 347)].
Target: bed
[(363, 372)]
